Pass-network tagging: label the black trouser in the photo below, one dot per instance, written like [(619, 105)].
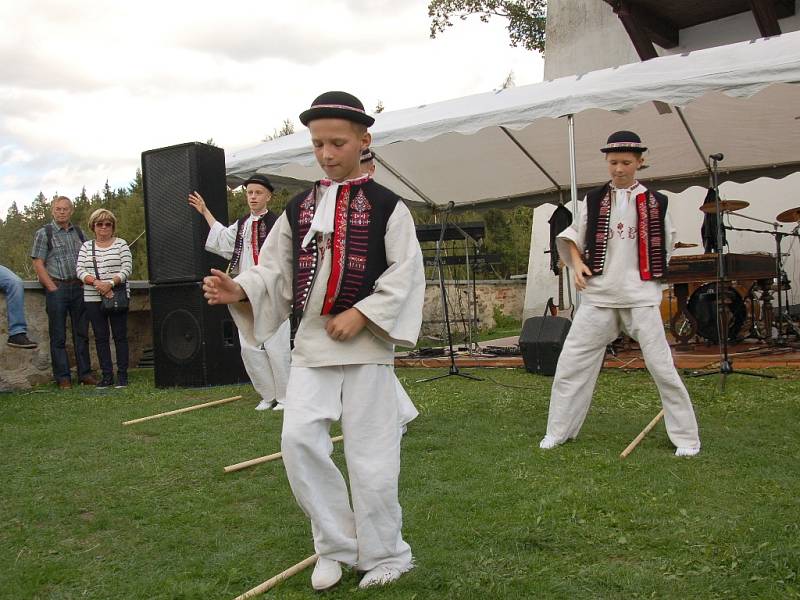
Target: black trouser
[(67, 301), (119, 327)]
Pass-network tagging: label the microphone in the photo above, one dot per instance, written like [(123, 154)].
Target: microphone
[(717, 157)]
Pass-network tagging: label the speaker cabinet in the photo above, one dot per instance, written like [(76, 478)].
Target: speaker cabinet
[(194, 344), (176, 232), (541, 341)]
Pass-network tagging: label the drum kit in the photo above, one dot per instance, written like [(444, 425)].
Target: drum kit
[(746, 293)]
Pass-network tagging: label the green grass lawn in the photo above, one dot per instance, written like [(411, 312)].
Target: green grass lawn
[(91, 509)]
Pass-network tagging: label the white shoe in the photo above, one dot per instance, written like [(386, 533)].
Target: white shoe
[(549, 442), (327, 574), (278, 406), (265, 404), (380, 575), (687, 451)]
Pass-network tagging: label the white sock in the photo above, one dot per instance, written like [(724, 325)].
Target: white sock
[(548, 442), (687, 451)]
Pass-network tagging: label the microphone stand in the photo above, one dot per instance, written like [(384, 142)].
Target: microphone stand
[(443, 295), (725, 363)]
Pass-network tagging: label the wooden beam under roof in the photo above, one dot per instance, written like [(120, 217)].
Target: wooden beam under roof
[(766, 17), (639, 37)]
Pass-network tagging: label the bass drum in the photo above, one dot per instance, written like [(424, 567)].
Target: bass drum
[(703, 307)]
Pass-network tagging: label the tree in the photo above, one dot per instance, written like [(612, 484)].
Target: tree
[(526, 18), (287, 128)]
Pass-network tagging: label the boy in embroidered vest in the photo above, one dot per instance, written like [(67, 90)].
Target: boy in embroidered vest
[(345, 263), (266, 364), (618, 250)]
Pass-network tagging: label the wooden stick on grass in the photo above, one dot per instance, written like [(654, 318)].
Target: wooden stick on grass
[(183, 410), (273, 581), (263, 459), (640, 437)]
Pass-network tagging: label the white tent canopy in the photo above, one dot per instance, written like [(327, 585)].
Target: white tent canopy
[(511, 146)]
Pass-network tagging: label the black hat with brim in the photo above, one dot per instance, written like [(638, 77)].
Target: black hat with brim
[(261, 180), (624, 141), (337, 105), (366, 155)]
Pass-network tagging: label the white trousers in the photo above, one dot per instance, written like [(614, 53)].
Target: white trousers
[(582, 358), (365, 398), (268, 367)]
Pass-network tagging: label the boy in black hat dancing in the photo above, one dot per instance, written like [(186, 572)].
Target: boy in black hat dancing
[(267, 364), (345, 263), (618, 250)]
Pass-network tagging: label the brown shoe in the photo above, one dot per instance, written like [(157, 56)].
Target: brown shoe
[(65, 384), (89, 380)]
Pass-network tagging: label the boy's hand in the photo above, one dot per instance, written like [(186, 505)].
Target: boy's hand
[(582, 273), (219, 288), (345, 325), (197, 202)]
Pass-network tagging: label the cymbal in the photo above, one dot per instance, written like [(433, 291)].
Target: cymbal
[(724, 206), (684, 245), (789, 216)]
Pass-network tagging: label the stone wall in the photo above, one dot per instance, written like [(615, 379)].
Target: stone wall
[(506, 295), (23, 368)]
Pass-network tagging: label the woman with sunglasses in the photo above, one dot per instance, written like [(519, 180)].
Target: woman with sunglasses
[(103, 264)]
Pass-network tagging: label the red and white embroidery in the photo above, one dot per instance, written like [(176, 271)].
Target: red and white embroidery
[(360, 210)]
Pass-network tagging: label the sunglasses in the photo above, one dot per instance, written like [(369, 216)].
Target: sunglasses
[(104, 224)]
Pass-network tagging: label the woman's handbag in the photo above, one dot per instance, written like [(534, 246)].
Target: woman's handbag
[(118, 302)]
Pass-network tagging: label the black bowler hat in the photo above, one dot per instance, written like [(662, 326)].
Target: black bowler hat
[(624, 141), (261, 180), (337, 105), (366, 155)]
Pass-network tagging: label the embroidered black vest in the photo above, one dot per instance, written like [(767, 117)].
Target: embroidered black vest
[(651, 209), (265, 223), (358, 251)]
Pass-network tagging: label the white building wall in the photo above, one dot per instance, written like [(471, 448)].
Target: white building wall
[(585, 36)]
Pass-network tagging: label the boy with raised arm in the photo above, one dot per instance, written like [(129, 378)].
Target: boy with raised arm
[(267, 364)]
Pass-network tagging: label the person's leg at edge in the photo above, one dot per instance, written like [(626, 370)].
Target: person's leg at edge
[(644, 324), (11, 285), (372, 437), (576, 374), (313, 403)]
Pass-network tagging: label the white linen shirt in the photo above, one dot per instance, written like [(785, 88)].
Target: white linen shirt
[(620, 285), (393, 310)]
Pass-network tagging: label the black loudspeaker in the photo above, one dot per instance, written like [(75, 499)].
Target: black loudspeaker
[(541, 341), (194, 344), (176, 232)]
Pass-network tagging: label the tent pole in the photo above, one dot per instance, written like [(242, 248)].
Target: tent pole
[(402, 178), (573, 185), (573, 176), (694, 139), (535, 162)]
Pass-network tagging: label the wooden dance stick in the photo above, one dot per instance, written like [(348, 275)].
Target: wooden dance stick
[(273, 581), (183, 410), (640, 437), (268, 458)]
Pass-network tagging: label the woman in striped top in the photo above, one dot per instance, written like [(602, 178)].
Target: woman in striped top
[(114, 265)]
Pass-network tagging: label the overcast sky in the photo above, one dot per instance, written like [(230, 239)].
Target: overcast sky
[(87, 85)]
